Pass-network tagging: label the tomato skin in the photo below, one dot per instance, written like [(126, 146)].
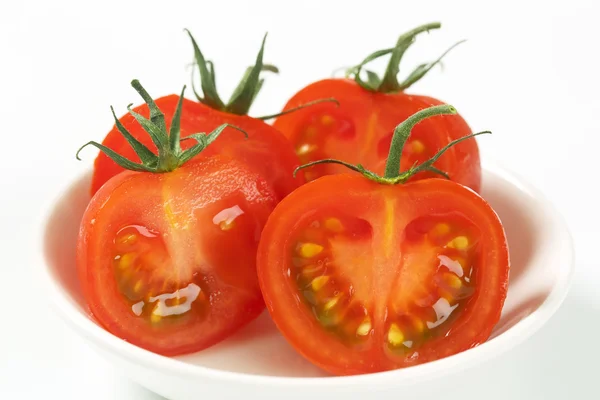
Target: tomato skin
[(265, 151), (360, 197), (181, 207), (374, 116)]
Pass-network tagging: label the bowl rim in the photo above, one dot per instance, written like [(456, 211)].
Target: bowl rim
[(513, 337)]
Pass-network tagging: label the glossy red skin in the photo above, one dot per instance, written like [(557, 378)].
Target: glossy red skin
[(375, 115), (365, 199), (266, 150), (194, 193)]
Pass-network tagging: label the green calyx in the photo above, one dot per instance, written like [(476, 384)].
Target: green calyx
[(170, 155), (389, 82), (246, 91), (393, 175), (244, 94)]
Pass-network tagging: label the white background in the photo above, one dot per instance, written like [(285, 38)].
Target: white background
[(529, 72)]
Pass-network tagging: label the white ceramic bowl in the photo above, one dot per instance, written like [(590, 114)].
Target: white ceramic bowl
[(258, 360)]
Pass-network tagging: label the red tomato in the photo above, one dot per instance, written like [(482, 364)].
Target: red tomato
[(387, 276), (377, 272), (360, 129), (167, 260), (266, 151), (167, 251), (364, 121)]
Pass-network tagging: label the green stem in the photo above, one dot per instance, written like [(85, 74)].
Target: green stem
[(244, 94), (357, 168), (175, 131), (389, 82), (242, 98), (402, 132), (428, 165), (423, 69), (170, 156), (156, 116), (393, 175), (207, 82), (300, 107)]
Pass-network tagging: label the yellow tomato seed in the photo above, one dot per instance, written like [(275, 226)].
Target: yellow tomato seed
[(126, 260), (364, 328), (441, 229), (128, 238), (452, 280), (331, 303), (395, 335), (417, 146), (318, 283), (459, 242), (226, 225), (309, 250), (334, 225)]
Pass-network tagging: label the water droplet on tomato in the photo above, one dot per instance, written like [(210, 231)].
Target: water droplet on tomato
[(227, 216), (442, 309)]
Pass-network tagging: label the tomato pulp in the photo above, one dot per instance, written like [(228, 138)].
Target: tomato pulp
[(385, 276), (167, 261), (265, 151), (360, 131)]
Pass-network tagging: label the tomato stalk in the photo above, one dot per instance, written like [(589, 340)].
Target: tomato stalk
[(300, 107), (170, 156), (246, 91), (243, 95), (402, 132), (389, 82), (393, 175)]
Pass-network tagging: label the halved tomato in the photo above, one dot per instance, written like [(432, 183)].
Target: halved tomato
[(362, 277), (360, 129), (166, 252), (167, 261), (365, 273)]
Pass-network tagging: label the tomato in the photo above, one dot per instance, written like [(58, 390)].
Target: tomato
[(392, 273), (167, 261), (166, 253), (364, 121), (266, 151), (387, 277)]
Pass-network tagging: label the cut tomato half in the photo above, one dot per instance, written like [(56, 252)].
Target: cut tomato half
[(167, 261), (362, 277)]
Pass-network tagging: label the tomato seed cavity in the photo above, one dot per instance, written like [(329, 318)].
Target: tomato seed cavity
[(411, 320), (144, 277)]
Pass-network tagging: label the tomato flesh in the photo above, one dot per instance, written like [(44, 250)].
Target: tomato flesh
[(360, 131), (167, 261), (332, 268), (387, 278), (145, 276)]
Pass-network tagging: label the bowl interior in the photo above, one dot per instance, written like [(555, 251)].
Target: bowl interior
[(534, 237)]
